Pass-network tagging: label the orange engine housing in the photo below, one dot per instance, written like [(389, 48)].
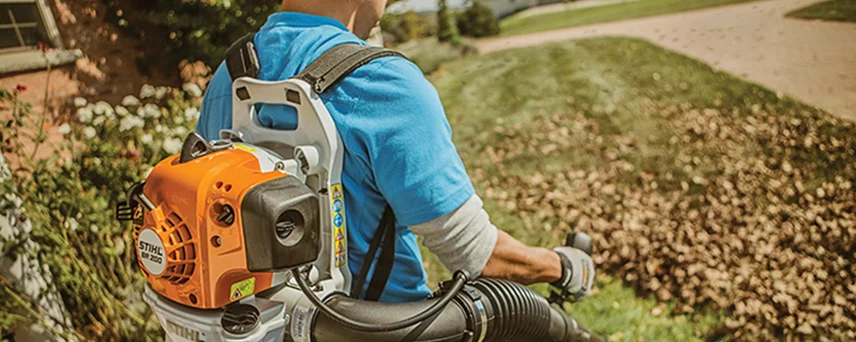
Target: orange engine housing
[(220, 226)]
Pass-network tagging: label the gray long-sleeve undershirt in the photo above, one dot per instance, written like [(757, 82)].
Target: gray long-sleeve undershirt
[(463, 239)]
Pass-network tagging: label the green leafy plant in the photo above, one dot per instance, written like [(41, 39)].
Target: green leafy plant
[(405, 27), (447, 30), (478, 21), (174, 30), (70, 196)]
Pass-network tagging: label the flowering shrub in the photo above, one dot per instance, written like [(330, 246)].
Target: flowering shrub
[(70, 199)]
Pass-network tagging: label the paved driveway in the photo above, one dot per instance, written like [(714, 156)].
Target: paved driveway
[(813, 61)]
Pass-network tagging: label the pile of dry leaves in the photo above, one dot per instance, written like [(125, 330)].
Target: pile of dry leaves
[(745, 210)]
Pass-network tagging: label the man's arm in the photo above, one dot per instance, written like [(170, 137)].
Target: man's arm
[(464, 239), (515, 261)]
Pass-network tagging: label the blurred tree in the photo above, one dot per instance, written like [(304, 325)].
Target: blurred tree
[(412, 26), (197, 30), (404, 27), (447, 30), (478, 20)]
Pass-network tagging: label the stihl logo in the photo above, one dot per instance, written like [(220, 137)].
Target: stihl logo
[(184, 332)]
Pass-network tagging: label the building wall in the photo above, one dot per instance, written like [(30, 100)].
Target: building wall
[(106, 69)]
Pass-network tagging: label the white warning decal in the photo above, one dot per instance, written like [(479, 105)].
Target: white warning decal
[(151, 251)]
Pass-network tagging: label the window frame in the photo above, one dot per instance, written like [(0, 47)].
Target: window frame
[(46, 20)]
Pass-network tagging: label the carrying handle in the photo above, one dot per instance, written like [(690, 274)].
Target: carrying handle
[(316, 131)]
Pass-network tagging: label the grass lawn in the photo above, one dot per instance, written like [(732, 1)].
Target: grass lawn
[(428, 53), (835, 10), (506, 109), (593, 15)]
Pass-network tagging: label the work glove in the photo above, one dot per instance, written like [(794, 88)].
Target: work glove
[(577, 267)]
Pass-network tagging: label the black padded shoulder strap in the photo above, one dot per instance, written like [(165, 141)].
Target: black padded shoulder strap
[(340, 61), (332, 66), (242, 59)]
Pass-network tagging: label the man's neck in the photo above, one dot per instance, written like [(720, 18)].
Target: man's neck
[(342, 11)]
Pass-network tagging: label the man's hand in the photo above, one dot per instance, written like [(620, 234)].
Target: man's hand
[(577, 272)]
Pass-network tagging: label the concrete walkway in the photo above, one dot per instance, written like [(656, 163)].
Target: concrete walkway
[(813, 61)]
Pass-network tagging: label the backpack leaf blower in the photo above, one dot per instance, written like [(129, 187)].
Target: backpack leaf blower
[(244, 239)]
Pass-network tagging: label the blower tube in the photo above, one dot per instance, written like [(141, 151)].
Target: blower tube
[(484, 310)]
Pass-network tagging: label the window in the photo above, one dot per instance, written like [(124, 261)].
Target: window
[(26, 23)]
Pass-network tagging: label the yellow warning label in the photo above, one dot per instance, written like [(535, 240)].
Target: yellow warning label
[(336, 190), (242, 289), (243, 147), (337, 211)]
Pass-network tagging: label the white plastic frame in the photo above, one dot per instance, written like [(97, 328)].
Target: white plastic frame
[(316, 136)]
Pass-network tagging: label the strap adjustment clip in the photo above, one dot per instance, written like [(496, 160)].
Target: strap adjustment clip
[(242, 59)]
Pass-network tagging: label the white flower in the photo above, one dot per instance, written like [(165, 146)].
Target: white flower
[(172, 145), (130, 101), (160, 128), (64, 129), (179, 131), (122, 111), (79, 102), (146, 139), (191, 114), (147, 91), (71, 224), (104, 108), (89, 132), (14, 200), (99, 121), (119, 246), (160, 92), (85, 114), (193, 89), (26, 228), (130, 122), (150, 110), (93, 228)]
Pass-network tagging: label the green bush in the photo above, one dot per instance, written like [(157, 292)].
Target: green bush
[(173, 30), (447, 30), (405, 27), (478, 21), (413, 26), (70, 198)]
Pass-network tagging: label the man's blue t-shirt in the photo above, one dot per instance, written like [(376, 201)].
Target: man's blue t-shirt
[(398, 146)]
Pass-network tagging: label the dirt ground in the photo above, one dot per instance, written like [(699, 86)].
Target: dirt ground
[(812, 61)]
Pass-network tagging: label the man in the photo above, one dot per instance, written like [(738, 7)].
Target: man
[(398, 150)]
